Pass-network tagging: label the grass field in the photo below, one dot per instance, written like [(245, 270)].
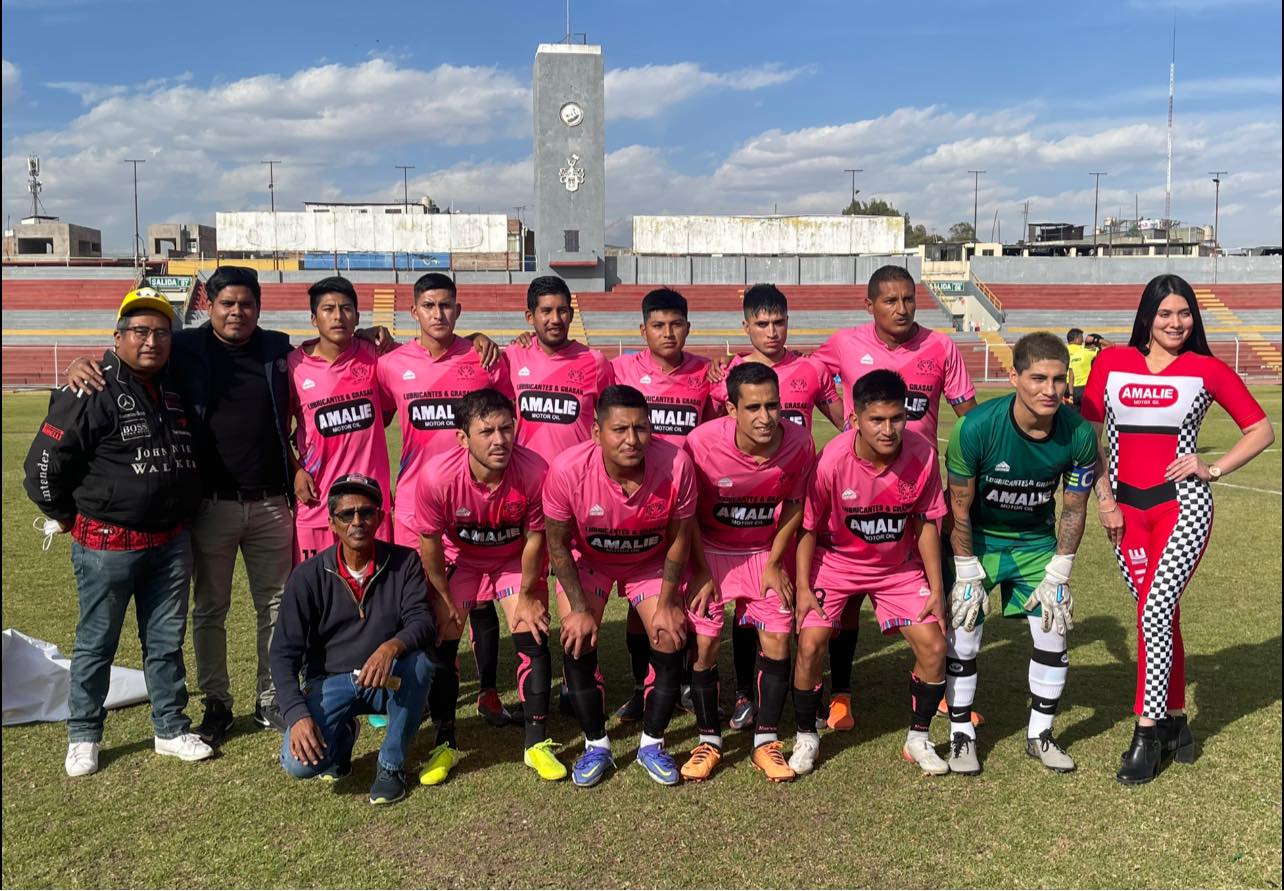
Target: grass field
[(864, 818)]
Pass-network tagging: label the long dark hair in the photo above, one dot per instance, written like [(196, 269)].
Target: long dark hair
[(1157, 289)]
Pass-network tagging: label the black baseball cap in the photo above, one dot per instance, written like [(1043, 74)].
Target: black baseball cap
[(357, 484)]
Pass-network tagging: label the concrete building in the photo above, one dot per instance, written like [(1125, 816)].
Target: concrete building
[(46, 237), (181, 240), (421, 206), (346, 230), (570, 164), (707, 235)]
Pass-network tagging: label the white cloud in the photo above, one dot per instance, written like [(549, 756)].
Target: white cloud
[(12, 80), (649, 90)]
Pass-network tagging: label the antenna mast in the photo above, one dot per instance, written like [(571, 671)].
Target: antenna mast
[(1168, 186), (33, 183)]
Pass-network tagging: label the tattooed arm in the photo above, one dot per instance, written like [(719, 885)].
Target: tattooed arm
[(962, 494), (1074, 510)]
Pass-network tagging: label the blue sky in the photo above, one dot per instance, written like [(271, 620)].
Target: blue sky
[(712, 106)]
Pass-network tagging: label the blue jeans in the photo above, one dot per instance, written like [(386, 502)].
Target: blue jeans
[(156, 579), (335, 700)]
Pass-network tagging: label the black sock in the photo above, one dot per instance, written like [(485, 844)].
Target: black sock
[(773, 685), (662, 695), (744, 653), (584, 683), (639, 655), (924, 700), (805, 704), (443, 693), (704, 700), (534, 678), (485, 627), (842, 653)]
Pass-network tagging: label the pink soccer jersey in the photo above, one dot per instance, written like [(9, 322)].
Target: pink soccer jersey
[(481, 527), (615, 533), (556, 394), (929, 361), (423, 390), (678, 400), (739, 498), (804, 385), (862, 517), (338, 422)]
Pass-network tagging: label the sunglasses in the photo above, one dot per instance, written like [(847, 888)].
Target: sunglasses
[(365, 513)]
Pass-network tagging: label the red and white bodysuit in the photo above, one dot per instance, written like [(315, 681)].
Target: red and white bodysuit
[(1151, 418)]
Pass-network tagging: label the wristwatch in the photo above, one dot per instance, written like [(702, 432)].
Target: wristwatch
[(1214, 472)]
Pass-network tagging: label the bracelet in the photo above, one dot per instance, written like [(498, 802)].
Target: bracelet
[(1107, 510)]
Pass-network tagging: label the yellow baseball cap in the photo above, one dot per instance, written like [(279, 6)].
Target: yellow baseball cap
[(146, 298)]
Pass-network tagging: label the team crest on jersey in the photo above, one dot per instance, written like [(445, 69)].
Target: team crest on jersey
[(797, 384), (308, 384), (654, 509), (596, 511), (867, 359), (360, 372), (849, 495), (905, 489), (575, 376), (408, 375), (926, 366), (513, 510), (524, 372), (466, 372)]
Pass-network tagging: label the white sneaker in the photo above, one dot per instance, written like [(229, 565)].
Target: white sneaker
[(82, 759), (806, 750), (919, 750), (185, 746)]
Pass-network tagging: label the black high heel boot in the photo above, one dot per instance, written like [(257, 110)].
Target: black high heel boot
[(1178, 741), (1141, 761)]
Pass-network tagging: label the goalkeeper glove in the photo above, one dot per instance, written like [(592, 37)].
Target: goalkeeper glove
[(969, 601), (1053, 595)]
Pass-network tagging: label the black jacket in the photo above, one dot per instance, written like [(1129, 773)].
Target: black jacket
[(116, 456), (192, 370), (321, 629)]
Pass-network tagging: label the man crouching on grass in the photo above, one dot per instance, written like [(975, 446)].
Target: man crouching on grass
[(353, 622)]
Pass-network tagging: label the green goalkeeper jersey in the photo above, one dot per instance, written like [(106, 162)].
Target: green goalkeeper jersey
[(1017, 476)]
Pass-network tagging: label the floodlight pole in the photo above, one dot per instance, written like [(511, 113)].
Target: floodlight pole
[(272, 203), (405, 185), (853, 171), (1096, 191), (976, 193), (137, 238)]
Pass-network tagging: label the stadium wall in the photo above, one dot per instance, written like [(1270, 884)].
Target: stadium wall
[(741, 270), (453, 233), (1124, 270), (768, 235), (63, 273)]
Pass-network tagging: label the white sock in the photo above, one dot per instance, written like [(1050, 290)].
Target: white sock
[(650, 741), (761, 739), (1047, 681), (960, 689), (916, 734), (603, 743), (1039, 722), (712, 739), (814, 737)]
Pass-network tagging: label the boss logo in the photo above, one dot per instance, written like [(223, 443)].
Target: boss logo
[(1147, 396), (134, 431)]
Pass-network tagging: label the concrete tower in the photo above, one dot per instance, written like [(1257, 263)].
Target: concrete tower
[(570, 161)]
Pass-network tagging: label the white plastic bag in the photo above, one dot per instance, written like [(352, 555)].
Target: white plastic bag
[(36, 675)]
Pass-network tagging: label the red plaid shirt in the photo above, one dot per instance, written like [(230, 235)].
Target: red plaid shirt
[(99, 536)]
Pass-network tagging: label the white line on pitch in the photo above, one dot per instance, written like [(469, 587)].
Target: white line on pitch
[(1249, 488)]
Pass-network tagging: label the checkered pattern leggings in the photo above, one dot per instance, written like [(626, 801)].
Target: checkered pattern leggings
[(1161, 548)]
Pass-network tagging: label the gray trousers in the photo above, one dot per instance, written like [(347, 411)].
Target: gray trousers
[(263, 531)]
